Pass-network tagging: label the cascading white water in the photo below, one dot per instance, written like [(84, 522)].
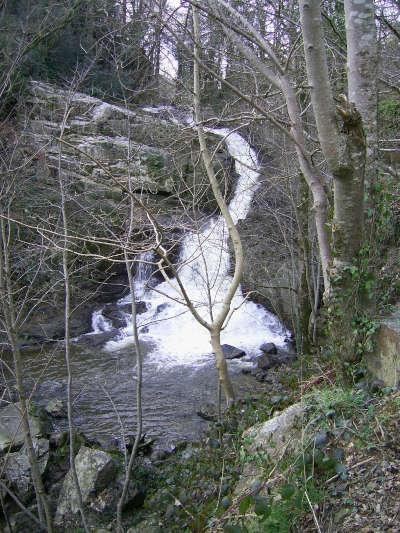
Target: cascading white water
[(100, 324), (204, 271), (144, 270)]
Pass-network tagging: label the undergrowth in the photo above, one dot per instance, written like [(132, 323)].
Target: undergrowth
[(196, 488)]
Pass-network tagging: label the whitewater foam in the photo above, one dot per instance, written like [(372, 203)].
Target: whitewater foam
[(204, 266)]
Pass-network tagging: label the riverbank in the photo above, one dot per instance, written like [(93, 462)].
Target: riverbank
[(332, 466)]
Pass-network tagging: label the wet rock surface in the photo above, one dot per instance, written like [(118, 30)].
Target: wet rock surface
[(95, 470), (11, 430), (231, 352)]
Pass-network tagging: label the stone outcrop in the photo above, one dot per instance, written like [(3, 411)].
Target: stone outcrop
[(102, 144), (384, 361), (271, 251), (273, 439), (11, 432), (95, 470)]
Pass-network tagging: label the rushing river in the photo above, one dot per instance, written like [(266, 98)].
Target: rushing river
[(104, 384)]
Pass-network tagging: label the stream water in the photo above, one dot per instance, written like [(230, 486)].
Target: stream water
[(179, 368)]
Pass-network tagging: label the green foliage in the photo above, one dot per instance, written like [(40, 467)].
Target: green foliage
[(389, 116), (66, 40), (343, 402)]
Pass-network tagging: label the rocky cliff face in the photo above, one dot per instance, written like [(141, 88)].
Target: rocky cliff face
[(102, 144), (96, 147)]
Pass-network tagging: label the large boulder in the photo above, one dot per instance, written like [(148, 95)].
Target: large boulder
[(384, 361), (11, 430), (95, 470), (231, 352), (17, 468), (272, 438), (277, 433)]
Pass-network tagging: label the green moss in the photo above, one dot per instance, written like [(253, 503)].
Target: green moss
[(389, 113), (155, 162)]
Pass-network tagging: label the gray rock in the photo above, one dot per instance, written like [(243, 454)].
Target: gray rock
[(11, 432), (269, 347), (95, 470), (141, 307), (115, 314), (56, 408), (17, 469), (384, 361), (106, 501), (264, 363), (97, 340), (231, 352), (277, 432), (321, 439), (209, 412), (272, 438), (272, 360)]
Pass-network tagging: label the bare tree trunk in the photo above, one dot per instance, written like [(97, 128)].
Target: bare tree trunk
[(218, 321), (344, 152), (67, 313), (222, 367), (318, 79), (139, 360), (313, 178), (6, 292), (362, 73), (139, 381)]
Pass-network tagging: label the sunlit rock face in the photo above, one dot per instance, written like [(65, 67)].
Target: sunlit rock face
[(94, 141), (384, 361), (102, 145)]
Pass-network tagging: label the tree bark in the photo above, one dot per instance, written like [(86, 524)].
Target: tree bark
[(344, 151), (362, 73), (8, 304), (219, 319)]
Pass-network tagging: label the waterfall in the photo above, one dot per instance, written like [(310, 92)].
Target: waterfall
[(144, 272), (100, 324), (204, 264)]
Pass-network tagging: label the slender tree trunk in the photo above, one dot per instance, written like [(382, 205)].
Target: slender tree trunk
[(6, 292), (223, 374), (67, 343), (362, 73), (219, 319), (138, 356), (313, 178)]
